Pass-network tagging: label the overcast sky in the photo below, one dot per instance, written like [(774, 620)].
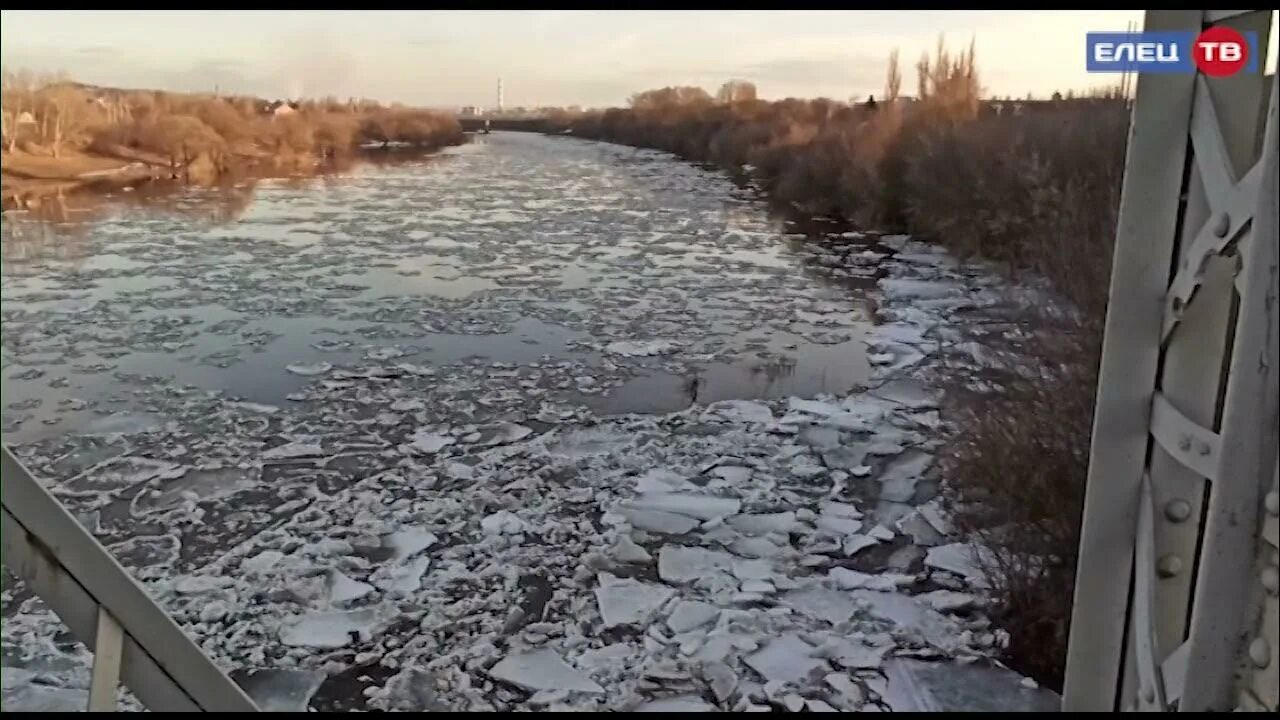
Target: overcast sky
[(590, 58)]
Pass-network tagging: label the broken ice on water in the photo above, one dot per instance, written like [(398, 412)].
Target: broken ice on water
[(430, 438)]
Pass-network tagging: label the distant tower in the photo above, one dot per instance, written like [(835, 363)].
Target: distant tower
[(499, 94)]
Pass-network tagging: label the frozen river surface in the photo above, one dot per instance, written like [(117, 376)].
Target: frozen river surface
[(532, 423)]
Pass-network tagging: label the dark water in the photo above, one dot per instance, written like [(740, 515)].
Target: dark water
[(526, 256)]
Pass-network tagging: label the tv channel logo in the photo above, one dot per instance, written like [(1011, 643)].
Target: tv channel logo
[(1217, 52)]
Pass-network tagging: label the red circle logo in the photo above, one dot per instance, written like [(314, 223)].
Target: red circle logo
[(1220, 51)]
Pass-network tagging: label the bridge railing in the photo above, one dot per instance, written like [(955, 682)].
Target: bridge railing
[(132, 638), (1175, 600)]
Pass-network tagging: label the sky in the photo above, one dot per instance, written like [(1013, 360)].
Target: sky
[(587, 58)]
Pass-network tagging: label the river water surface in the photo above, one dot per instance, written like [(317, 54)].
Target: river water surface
[(517, 249), (530, 423)]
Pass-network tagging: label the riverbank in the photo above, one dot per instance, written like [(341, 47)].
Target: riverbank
[(27, 181), (1035, 189), (62, 136)]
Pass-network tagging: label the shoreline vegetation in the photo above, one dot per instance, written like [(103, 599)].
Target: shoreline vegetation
[(60, 136), (1032, 185)]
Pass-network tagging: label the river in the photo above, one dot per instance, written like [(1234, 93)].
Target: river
[(458, 431)]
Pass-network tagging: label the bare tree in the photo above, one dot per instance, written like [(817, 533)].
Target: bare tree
[(736, 91), (17, 95), (67, 111), (893, 79)]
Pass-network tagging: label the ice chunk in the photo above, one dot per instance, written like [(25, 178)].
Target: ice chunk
[(627, 551), (854, 543), (786, 658), (659, 522), (614, 655), (753, 569), (200, 584), (722, 679), (309, 369), (847, 579), (626, 602), (679, 564), (278, 689), (947, 600), (855, 655), (838, 509), (119, 474), (881, 532), (689, 614), (764, 523), (838, 525), (763, 587), (641, 348), (933, 513), (127, 423), (900, 476), (755, 547), (427, 442), (23, 693), (542, 670), (703, 507), (659, 480), (503, 522), (344, 590), (733, 475), (909, 614), (742, 410), (408, 542), (502, 433), (920, 530), (850, 694), (329, 629), (906, 289), (295, 449), (404, 580), (916, 686), (262, 562), (822, 603), (677, 704), (958, 558)]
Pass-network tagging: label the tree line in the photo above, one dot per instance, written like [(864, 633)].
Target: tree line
[(52, 116)]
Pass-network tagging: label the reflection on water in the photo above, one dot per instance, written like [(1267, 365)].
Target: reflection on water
[(525, 251)]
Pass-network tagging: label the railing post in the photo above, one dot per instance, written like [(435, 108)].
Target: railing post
[(108, 651)]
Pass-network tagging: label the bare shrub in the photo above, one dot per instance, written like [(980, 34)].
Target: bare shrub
[(1015, 469)]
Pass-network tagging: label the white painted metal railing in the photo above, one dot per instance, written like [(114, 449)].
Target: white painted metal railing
[(1178, 527), (132, 638)]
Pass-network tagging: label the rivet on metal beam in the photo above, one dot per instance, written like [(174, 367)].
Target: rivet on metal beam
[(1260, 652), (1203, 448), (1177, 510), (1169, 566), (1148, 694), (1271, 580), (1184, 443), (1222, 225)]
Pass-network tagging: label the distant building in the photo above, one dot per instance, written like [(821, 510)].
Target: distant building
[(280, 108), (471, 111)]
